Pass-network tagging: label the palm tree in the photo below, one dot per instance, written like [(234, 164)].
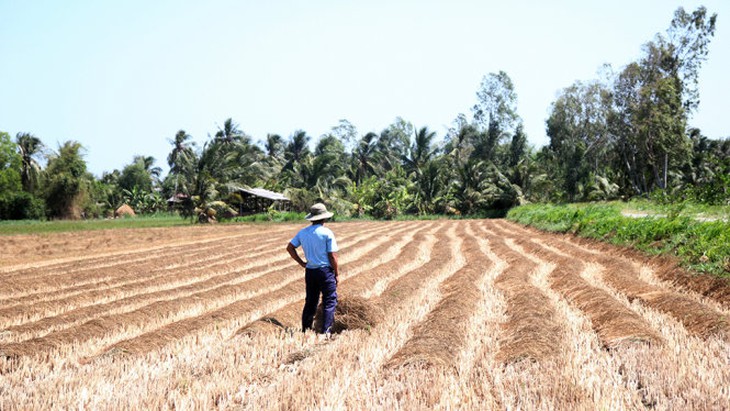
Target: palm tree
[(297, 148), (274, 146), (365, 157), (203, 178), (391, 146), (29, 146), (182, 152), (326, 171), (67, 181), (420, 152), (229, 133), (246, 163), (422, 166), (430, 187), (147, 162), (296, 151)]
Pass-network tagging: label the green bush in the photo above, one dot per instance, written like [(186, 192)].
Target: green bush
[(272, 215), (21, 206)]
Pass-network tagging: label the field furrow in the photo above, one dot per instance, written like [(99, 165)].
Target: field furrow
[(244, 309), (353, 380), (139, 253), (136, 277), (625, 276), (167, 311), (530, 331), (226, 267), (33, 282), (438, 339), (31, 250), (466, 314), (579, 376), (402, 252), (684, 371), (77, 282), (137, 300), (648, 268), (613, 322), (89, 275)]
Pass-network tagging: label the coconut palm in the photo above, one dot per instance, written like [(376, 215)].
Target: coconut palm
[(421, 169), (274, 146), (365, 157), (203, 178), (245, 163), (147, 162), (230, 132), (393, 143), (296, 149), (30, 147), (182, 152), (327, 174), (420, 152)]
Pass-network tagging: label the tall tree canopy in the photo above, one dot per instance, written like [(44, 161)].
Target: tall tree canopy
[(66, 181), (654, 97), (10, 165), (30, 148), (496, 103)]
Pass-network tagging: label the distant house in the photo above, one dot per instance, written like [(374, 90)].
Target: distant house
[(258, 200), (176, 199)]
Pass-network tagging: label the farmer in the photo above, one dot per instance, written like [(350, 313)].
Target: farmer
[(321, 274)]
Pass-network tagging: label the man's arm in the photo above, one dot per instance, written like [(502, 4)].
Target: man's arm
[(335, 266), (294, 255)]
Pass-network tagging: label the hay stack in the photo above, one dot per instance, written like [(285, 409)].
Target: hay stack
[(124, 211), (352, 313)]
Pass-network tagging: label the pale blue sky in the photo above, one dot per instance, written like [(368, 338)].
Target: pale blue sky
[(122, 77)]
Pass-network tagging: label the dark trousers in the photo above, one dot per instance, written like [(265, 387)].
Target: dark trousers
[(320, 280)]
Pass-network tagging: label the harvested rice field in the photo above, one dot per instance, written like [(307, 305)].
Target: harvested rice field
[(469, 314)]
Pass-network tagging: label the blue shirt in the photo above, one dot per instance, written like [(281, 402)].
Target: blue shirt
[(317, 241)]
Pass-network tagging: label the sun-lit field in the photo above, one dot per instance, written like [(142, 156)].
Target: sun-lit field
[(471, 314)]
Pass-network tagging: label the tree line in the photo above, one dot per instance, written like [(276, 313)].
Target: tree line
[(625, 134)]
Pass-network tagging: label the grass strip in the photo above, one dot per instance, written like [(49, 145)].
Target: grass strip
[(703, 246), (60, 226)]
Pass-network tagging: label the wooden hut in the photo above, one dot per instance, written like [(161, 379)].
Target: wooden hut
[(259, 200)]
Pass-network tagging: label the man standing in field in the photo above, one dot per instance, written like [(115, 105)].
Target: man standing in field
[(321, 269)]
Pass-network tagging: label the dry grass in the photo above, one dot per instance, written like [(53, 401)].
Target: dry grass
[(614, 322), (439, 315), (359, 271), (352, 313), (623, 274), (438, 339), (530, 332)]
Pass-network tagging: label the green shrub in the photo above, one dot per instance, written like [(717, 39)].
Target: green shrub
[(21, 206), (272, 216)]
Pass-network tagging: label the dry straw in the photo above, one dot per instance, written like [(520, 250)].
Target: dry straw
[(622, 274), (352, 313)]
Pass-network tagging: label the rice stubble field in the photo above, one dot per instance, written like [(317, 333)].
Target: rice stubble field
[(449, 314)]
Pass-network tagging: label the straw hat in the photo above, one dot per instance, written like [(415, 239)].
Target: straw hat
[(318, 212)]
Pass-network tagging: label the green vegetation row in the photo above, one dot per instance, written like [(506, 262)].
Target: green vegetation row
[(144, 221), (703, 246), (59, 226)]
